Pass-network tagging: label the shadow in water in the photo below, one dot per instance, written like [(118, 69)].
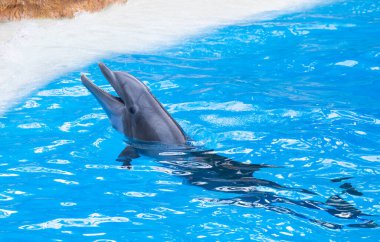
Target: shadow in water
[(218, 173)]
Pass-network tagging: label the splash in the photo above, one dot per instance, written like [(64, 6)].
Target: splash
[(33, 52)]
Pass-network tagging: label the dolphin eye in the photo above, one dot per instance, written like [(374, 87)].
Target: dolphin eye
[(132, 110)]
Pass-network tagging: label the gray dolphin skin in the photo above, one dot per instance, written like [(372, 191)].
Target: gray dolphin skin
[(136, 113), (151, 131)]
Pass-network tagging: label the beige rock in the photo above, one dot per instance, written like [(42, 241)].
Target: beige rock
[(20, 9)]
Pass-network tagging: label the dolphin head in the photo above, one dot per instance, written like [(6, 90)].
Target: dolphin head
[(136, 113)]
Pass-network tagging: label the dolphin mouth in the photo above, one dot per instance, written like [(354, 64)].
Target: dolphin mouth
[(112, 79), (113, 106), (119, 81), (99, 93), (104, 98)]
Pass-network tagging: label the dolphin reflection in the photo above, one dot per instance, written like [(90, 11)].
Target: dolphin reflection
[(214, 172)]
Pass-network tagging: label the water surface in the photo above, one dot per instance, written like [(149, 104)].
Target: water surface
[(300, 92)]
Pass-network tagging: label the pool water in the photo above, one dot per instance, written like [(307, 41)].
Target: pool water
[(299, 92)]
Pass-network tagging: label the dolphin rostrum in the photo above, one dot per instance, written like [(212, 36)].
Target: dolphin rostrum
[(136, 113), (150, 130)]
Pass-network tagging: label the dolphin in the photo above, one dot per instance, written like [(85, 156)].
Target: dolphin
[(136, 113), (150, 130)]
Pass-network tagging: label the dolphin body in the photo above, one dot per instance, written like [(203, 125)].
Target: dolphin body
[(136, 113), (151, 131)]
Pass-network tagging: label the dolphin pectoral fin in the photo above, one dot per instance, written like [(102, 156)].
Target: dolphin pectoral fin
[(128, 154), (127, 164), (112, 105)]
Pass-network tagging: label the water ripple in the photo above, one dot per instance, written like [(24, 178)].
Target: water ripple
[(347, 63), (93, 220), (54, 106), (76, 91), (67, 204), (164, 85), (372, 158), (346, 164), (139, 194), (239, 136), (39, 169), (66, 126), (222, 121), (58, 161), (4, 197), (6, 213), (97, 166), (164, 210), (53, 146), (187, 164), (160, 182), (234, 106), (16, 192), (292, 144), (236, 189), (98, 142), (308, 109), (66, 182), (8, 175), (237, 150), (351, 116), (94, 234), (32, 125), (150, 216), (171, 172), (31, 104)]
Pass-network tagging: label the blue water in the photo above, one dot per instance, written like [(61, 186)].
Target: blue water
[(300, 92)]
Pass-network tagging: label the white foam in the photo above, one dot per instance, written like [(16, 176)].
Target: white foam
[(32, 52)]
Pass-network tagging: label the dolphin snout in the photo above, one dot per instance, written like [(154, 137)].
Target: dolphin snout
[(113, 80), (107, 73)]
